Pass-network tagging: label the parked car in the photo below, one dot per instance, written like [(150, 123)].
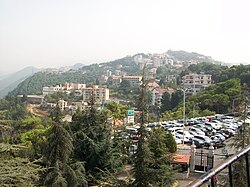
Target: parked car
[(177, 140), (222, 138), (206, 139), (186, 134), (226, 135), (229, 132), (195, 131), (201, 127), (198, 142), (214, 126), (131, 130), (180, 136), (217, 142), (173, 130), (191, 122)]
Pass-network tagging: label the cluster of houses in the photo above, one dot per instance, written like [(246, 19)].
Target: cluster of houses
[(196, 82), (101, 95)]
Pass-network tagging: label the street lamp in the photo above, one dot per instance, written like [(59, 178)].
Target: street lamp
[(184, 107)]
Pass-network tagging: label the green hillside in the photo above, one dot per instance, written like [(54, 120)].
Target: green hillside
[(87, 74)]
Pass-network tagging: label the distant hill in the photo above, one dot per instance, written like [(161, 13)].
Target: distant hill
[(74, 67), (186, 56), (87, 74), (91, 74), (9, 82)]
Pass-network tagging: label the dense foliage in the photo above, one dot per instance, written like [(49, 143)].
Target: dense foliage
[(90, 74), (89, 150), (92, 141)]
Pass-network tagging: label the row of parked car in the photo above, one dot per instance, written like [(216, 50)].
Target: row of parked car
[(204, 131)]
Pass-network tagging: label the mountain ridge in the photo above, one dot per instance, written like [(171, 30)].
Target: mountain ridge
[(90, 73)]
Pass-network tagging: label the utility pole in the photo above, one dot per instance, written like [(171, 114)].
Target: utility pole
[(184, 108)]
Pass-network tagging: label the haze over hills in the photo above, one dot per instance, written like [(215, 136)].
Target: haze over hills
[(11, 81), (90, 73)]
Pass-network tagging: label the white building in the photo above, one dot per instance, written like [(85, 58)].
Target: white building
[(62, 104), (74, 86), (78, 105), (133, 80), (66, 87), (52, 89), (101, 94), (196, 82)]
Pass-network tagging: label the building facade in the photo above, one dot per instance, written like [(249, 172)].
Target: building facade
[(101, 94), (157, 94), (133, 80), (196, 82)]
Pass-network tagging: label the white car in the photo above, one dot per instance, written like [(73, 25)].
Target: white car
[(195, 131), (173, 130), (186, 134), (177, 140), (180, 136)]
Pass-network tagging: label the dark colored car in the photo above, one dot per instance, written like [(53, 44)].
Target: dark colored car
[(217, 142), (207, 141), (198, 142)]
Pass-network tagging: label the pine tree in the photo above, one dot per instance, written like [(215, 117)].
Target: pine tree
[(166, 102), (143, 156), (60, 145), (161, 170), (170, 143), (242, 140), (62, 170), (92, 140)]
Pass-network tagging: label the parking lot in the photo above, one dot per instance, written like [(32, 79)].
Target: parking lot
[(202, 131)]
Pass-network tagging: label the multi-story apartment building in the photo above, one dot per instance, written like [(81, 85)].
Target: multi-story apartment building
[(77, 105), (101, 94), (74, 86), (52, 89), (196, 82), (62, 104), (157, 94), (66, 87), (133, 80)]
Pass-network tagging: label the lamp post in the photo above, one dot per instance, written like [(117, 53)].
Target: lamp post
[(184, 108)]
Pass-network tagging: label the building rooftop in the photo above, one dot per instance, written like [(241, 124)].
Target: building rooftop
[(181, 158)]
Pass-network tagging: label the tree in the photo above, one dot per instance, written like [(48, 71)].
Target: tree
[(143, 155), (19, 172), (170, 143), (161, 170), (242, 140), (60, 145), (176, 98), (166, 102), (92, 140), (125, 87), (116, 110), (60, 148)]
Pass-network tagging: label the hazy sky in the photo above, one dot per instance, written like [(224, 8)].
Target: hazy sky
[(52, 33)]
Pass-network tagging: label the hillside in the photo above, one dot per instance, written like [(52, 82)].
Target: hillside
[(186, 56), (8, 83), (87, 74), (91, 74)]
